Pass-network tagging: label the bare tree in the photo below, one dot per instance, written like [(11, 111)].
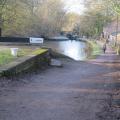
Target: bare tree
[(2, 5)]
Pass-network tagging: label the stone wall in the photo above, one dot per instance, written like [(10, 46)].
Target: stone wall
[(25, 64)]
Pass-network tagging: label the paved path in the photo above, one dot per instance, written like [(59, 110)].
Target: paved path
[(78, 91)]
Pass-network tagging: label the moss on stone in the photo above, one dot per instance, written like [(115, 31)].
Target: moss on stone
[(39, 51)]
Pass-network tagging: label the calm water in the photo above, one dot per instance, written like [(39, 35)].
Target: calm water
[(73, 49)]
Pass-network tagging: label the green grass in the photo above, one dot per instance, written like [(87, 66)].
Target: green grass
[(23, 52), (116, 48), (96, 50), (5, 57)]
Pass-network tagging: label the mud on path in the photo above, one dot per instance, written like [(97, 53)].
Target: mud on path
[(78, 91)]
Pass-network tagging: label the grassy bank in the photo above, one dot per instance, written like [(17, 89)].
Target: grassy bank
[(116, 48), (6, 57), (95, 49)]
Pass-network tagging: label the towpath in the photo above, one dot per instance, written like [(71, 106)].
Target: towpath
[(87, 90)]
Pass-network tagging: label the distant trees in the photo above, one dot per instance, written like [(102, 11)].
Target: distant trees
[(2, 5), (71, 21), (96, 16), (48, 17), (31, 17), (8, 13), (98, 13), (114, 5), (52, 16)]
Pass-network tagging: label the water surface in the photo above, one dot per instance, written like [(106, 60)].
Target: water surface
[(73, 49)]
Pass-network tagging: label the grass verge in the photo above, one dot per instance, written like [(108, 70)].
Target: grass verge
[(95, 49), (6, 57)]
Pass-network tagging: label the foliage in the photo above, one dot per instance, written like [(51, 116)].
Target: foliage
[(96, 16), (32, 17), (114, 5), (6, 57), (48, 17), (96, 50), (71, 22)]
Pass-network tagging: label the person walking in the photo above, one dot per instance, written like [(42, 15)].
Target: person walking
[(118, 50), (104, 47)]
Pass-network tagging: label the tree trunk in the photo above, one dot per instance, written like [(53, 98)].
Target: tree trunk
[(0, 32)]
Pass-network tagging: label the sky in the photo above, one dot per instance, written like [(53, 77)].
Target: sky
[(74, 6)]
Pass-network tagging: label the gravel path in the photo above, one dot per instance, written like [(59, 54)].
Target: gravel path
[(87, 90)]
